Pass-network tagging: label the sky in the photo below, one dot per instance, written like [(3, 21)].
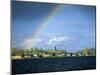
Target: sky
[(46, 25)]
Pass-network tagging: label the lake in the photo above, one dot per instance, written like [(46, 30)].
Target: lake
[(40, 65)]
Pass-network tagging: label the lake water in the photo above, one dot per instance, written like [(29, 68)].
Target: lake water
[(39, 65)]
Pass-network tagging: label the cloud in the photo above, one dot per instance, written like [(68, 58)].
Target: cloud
[(50, 39), (13, 44), (59, 40), (27, 43)]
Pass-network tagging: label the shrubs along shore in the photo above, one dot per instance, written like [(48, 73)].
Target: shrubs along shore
[(49, 53)]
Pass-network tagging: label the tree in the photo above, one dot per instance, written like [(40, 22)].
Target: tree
[(14, 50), (86, 51)]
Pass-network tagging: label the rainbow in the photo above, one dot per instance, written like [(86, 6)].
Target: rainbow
[(29, 42)]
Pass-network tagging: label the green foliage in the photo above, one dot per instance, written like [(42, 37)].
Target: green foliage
[(86, 51), (50, 52), (89, 51), (55, 51)]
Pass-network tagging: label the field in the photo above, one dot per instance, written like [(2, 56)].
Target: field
[(40, 65)]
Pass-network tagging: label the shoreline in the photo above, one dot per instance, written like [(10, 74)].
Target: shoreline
[(49, 57)]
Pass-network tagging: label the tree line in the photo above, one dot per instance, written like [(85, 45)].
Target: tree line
[(39, 52)]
